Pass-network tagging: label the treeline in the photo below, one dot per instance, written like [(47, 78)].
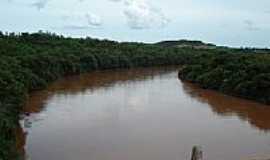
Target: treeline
[(184, 42), (31, 61), (239, 74)]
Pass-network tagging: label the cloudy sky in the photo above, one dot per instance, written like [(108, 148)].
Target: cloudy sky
[(223, 22)]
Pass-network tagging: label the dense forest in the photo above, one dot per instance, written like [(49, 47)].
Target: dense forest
[(30, 61), (244, 75)]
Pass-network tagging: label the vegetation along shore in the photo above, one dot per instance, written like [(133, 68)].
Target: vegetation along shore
[(30, 61), (243, 74)]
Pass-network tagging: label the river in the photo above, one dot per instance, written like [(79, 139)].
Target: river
[(140, 114)]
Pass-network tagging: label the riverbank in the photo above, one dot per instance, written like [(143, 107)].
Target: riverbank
[(30, 62), (241, 75), (133, 112)]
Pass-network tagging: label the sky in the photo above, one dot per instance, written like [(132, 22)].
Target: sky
[(235, 23)]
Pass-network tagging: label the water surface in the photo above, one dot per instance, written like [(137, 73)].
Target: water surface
[(141, 114)]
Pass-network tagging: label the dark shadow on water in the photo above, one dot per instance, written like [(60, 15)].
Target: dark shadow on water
[(20, 141), (256, 114)]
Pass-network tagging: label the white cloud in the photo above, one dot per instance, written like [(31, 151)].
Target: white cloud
[(142, 15)]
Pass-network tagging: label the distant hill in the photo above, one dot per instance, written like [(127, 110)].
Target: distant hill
[(187, 44)]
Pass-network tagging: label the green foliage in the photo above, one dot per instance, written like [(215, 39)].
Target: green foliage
[(241, 74)]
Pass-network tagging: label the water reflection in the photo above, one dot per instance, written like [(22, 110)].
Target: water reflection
[(145, 114), (91, 82), (258, 115)]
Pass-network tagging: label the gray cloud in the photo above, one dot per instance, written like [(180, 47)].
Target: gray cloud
[(93, 20), (40, 4), (82, 22), (250, 25)]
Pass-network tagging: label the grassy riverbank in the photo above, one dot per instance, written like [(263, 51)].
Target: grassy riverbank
[(30, 62)]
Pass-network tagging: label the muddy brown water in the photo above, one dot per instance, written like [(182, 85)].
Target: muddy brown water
[(140, 114)]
